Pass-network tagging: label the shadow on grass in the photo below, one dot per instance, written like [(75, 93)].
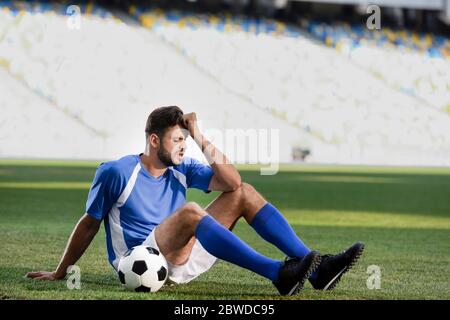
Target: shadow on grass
[(403, 254), (370, 192), (404, 193)]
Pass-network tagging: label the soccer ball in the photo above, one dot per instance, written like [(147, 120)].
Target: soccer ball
[(143, 269)]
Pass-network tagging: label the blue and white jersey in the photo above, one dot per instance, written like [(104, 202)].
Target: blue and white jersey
[(132, 202)]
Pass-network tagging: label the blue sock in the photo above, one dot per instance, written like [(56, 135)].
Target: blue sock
[(270, 224), (224, 244)]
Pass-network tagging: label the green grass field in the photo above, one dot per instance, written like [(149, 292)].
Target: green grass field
[(402, 215)]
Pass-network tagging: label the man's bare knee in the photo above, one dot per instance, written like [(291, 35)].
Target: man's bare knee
[(247, 193), (192, 213), (247, 189), (251, 200), (175, 236)]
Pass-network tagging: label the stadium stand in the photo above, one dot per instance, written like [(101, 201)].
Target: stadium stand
[(352, 100), (338, 99)]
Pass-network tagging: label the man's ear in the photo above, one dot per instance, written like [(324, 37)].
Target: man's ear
[(154, 140)]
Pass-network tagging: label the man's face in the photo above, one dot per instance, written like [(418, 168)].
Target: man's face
[(172, 146)]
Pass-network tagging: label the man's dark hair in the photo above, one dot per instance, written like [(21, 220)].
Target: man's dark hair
[(162, 118)]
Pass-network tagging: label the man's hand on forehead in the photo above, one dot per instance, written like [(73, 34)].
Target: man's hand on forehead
[(190, 123), (189, 118)]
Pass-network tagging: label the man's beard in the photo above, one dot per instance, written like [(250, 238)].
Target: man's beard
[(165, 157)]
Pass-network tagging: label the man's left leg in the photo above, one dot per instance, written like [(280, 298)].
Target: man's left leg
[(268, 222)]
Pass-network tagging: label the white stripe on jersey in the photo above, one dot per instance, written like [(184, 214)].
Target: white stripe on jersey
[(127, 191), (180, 177), (117, 237)]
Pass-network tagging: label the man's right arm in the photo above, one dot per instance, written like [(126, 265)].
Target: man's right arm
[(82, 235)]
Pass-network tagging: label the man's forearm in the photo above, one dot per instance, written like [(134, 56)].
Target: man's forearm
[(222, 167), (79, 240), (212, 154)]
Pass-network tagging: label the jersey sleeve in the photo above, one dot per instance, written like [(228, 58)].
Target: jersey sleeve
[(104, 191), (198, 175)]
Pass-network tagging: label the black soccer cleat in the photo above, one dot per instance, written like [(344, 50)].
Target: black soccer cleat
[(295, 271), (333, 267)]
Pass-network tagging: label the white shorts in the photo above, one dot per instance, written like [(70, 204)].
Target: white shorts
[(199, 261)]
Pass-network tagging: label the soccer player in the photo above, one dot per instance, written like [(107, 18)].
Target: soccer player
[(142, 200)]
